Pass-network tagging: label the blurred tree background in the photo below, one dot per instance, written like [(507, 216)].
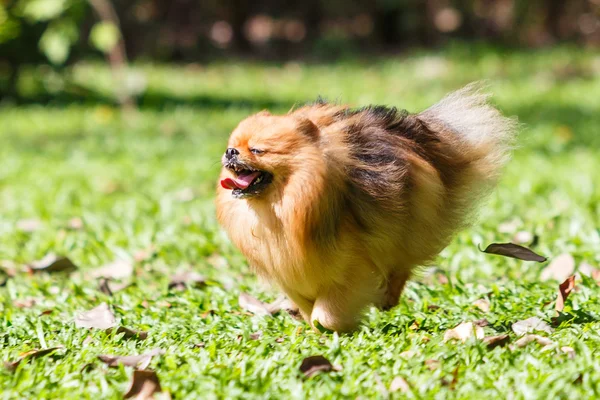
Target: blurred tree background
[(62, 32)]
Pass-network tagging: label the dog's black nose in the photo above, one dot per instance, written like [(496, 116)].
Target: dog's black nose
[(230, 152)]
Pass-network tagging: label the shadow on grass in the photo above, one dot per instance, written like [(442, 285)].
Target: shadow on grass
[(579, 124), (153, 100)]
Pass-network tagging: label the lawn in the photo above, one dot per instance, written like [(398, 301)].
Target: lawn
[(80, 179)]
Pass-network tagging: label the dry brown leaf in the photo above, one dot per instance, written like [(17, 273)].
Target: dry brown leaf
[(514, 251), (282, 303), (217, 261), (129, 333), (482, 322), (75, 223), (432, 365), (29, 225), (253, 305), (100, 317), (182, 280), (256, 335), (138, 361), (523, 237), (399, 384), (496, 341), (110, 288), (569, 351), (525, 340), (564, 289), (463, 332), (315, 364), (588, 270), (530, 325), (52, 263), (143, 385), (118, 269), (452, 383), (25, 303), (559, 268), (145, 254), (482, 304), (409, 354), (30, 355)]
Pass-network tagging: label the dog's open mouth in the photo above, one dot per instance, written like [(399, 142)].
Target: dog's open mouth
[(246, 181)]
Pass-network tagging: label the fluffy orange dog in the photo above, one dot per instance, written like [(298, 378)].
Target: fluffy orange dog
[(337, 206)]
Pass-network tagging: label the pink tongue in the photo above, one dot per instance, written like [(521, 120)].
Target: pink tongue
[(241, 182)]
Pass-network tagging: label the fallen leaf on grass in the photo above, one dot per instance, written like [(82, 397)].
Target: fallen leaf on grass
[(108, 288), (482, 322), (118, 269), (145, 254), (588, 270), (29, 225), (75, 223), (217, 261), (451, 383), (530, 325), (315, 364), (559, 269), (432, 365), (25, 303), (399, 384), (564, 289), (256, 335), (53, 263), (496, 341), (525, 340), (482, 304), (184, 279), (143, 385), (129, 333), (569, 351), (409, 354), (30, 355), (463, 332), (523, 237), (253, 305), (513, 251), (282, 303), (139, 361), (100, 317)]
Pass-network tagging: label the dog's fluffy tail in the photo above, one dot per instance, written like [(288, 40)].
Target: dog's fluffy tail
[(476, 142)]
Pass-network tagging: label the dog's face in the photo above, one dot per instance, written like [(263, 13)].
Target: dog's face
[(263, 151)]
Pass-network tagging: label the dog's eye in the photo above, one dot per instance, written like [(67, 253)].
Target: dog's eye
[(256, 151)]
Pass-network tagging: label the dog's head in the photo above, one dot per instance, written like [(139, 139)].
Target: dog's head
[(263, 151)]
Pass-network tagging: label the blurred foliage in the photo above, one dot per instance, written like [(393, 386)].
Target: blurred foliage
[(192, 30), (57, 25)]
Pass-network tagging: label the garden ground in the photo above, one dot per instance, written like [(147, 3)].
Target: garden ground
[(78, 178)]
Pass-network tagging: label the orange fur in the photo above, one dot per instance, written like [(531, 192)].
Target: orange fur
[(359, 198)]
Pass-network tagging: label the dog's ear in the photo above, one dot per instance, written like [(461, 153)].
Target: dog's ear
[(307, 127)]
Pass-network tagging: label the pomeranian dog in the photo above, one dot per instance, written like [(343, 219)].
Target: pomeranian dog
[(338, 206)]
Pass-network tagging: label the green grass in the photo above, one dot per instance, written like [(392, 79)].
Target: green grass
[(123, 175)]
